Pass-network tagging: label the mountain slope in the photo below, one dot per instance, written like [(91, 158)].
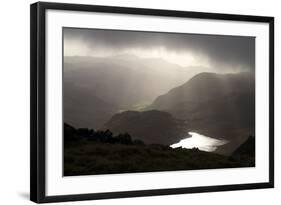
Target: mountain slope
[(247, 148), (215, 105), (152, 127), (245, 153)]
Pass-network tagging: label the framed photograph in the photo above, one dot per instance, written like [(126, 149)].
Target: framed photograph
[(129, 102)]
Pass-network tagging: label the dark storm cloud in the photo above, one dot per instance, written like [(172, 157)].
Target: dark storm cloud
[(222, 51)]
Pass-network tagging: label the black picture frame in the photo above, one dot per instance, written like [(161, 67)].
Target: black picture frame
[(38, 103)]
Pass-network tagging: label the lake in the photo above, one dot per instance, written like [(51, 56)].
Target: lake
[(199, 141)]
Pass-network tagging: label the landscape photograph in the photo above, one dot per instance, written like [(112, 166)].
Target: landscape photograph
[(142, 101)]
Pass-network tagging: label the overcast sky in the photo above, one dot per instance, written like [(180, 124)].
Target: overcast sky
[(222, 53)]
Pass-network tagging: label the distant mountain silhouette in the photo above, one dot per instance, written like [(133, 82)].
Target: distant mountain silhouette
[(152, 127), (215, 105), (97, 87)]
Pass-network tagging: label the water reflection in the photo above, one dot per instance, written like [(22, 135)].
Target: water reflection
[(202, 142)]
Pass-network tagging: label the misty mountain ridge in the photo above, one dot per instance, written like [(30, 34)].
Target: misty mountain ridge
[(112, 84), (207, 86)]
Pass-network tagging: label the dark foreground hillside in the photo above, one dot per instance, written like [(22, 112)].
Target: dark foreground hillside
[(89, 152)]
